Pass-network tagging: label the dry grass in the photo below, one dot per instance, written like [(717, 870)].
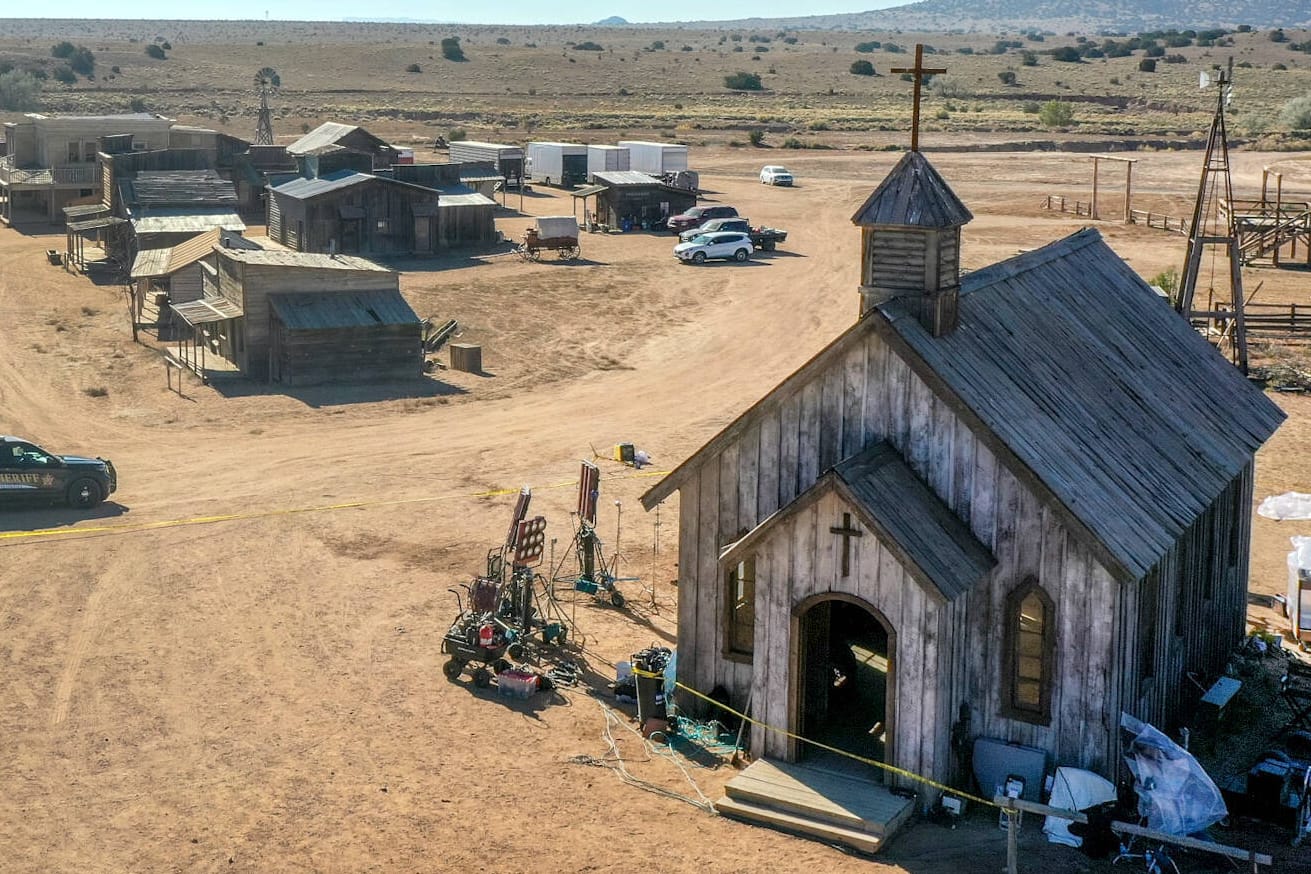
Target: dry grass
[(537, 85)]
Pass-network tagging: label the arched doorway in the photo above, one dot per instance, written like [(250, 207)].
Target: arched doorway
[(843, 672)]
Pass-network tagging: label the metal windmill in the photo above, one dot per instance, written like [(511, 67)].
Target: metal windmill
[(1212, 228), (267, 81)]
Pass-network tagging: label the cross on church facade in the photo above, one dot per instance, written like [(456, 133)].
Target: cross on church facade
[(919, 71), (847, 533)]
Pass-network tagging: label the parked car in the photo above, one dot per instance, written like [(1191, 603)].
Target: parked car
[(30, 473), (719, 224), (733, 245), (762, 239), (775, 174), (699, 215)]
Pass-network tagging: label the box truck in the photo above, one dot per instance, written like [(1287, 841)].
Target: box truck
[(508, 160), (605, 159), (655, 158), (563, 164)]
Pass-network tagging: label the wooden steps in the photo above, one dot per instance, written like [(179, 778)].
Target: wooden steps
[(816, 802)]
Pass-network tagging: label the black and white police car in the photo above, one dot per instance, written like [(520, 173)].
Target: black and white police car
[(28, 473)]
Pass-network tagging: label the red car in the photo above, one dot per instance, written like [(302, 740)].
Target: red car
[(699, 215)]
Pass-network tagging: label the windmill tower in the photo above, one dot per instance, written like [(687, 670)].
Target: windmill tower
[(267, 81), (1212, 230)]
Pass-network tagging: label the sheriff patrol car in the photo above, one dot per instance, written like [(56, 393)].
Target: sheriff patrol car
[(29, 473)]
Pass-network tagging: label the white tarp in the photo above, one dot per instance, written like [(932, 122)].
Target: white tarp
[(1074, 789), (552, 226), (1290, 505)]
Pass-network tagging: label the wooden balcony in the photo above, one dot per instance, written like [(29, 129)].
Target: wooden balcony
[(48, 177)]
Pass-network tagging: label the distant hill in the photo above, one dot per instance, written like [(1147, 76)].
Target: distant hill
[(1054, 15), (612, 21)]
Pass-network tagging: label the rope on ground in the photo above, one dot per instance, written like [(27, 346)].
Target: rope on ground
[(615, 762), (884, 766)]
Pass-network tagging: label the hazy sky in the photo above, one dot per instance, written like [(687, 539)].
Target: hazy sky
[(503, 12)]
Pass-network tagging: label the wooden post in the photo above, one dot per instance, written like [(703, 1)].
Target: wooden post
[(1092, 207), (1128, 192), (1012, 841)]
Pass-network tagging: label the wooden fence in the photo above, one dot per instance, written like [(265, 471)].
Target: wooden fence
[(1284, 321), (1157, 220), (1061, 203)]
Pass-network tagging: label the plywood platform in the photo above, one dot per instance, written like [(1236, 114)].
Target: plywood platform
[(816, 802)]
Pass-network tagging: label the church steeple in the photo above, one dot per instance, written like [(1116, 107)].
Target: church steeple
[(910, 235)]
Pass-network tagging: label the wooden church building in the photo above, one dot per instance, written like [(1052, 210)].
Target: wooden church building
[(1015, 502)]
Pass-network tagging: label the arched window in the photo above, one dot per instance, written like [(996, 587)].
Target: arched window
[(1030, 642)]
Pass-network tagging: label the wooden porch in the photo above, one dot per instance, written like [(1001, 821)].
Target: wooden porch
[(818, 801)]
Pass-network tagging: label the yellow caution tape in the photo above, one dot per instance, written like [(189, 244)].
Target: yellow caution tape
[(290, 511), (892, 769)]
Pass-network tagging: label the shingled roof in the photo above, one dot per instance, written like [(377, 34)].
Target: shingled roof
[(1131, 418), (915, 195), (1071, 365)]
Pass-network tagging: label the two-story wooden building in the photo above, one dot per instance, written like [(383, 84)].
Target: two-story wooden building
[(52, 160)]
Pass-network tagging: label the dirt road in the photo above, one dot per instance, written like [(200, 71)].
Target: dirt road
[(264, 694)]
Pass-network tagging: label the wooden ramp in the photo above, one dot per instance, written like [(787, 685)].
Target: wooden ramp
[(816, 802)]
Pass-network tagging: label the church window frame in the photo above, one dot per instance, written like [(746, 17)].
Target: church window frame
[(740, 610), (1030, 653)]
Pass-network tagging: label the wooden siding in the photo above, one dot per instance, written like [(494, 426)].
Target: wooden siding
[(387, 225), (464, 225), (864, 394), (384, 352), (184, 285)]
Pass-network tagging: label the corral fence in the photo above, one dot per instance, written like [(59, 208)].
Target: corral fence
[(1061, 203), (1283, 321), (1158, 220)]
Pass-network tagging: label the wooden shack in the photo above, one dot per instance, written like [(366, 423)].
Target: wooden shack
[(343, 336), (643, 200), (239, 321), (177, 272), (354, 213), (1011, 504), (332, 138)]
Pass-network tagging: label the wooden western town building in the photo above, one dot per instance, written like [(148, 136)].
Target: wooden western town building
[(354, 213), (1020, 495), (300, 318)]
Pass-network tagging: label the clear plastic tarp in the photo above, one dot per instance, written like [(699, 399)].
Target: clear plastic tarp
[(1175, 794), (1290, 505)]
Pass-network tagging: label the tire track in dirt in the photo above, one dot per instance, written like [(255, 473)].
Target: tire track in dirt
[(86, 634)]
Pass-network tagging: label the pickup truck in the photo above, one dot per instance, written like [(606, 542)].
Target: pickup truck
[(762, 238)]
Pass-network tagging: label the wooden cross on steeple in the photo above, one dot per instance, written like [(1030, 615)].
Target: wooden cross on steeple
[(919, 72)]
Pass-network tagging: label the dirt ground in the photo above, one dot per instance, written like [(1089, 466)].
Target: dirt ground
[(264, 693)]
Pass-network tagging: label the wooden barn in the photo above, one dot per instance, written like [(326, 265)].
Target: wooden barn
[(332, 146), (363, 334), (167, 207), (637, 197), (354, 213), (1009, 504)]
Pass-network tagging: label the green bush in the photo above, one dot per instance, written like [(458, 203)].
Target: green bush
[(588, 46), (413, 68), (138, 105), (1029, 59), (82, 61), (1056, 113), (63, 50), (866, 47), (1068, 54), (19, 91), (1147, 65), (1007, 77), (64, 75), (756, 137), (743, 82), (1296, 113), (502, 41), (456, 134), (156, 52), (862, 68), (451, 50)]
